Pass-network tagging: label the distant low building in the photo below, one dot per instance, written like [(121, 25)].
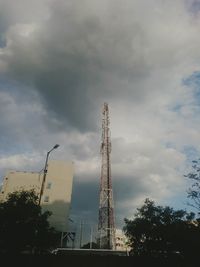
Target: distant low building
[(57, 190), (121, 241)]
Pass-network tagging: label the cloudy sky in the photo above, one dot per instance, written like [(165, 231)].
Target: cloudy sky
[(60, 60)]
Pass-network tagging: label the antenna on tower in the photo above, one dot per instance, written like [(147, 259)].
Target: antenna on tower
[(106, 224)]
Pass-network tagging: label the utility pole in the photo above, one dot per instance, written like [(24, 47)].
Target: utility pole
[(91, 232), (61, 240), (45, 173), (81, 233), (106, 225)]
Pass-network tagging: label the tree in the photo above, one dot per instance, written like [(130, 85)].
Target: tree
[(163, 232), (23, 226), (193, 192)]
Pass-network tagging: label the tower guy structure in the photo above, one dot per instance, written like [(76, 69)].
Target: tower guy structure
[(106, 224)]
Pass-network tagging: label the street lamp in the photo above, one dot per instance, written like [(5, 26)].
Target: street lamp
[(45, 172)]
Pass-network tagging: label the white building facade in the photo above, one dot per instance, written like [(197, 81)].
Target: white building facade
[(57, 189), (121, 241)]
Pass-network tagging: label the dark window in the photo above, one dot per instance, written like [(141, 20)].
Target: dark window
[(46, 199), (49, 185)]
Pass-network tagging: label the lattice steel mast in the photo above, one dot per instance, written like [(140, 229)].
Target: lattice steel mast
[(106, 224)]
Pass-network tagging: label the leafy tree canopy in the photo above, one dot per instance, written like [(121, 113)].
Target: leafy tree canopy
[(163, 231), (23, 226), (194, 190)]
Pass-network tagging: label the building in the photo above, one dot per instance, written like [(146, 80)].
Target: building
[(57, 190), (121, 241)]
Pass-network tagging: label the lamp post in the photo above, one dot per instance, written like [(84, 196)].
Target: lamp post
[(45, 172)]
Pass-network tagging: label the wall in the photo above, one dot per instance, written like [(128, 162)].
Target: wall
[(57, 190)]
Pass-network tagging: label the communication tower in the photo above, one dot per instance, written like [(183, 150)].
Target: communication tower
[(106, 224)]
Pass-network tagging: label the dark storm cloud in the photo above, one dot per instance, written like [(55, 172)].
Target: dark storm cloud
[(78, 59), (84, 53), (85, 203), (85, 197)]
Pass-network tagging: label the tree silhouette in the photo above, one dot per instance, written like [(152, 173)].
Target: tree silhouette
[(23, 226), (158, 231), (194, 191)]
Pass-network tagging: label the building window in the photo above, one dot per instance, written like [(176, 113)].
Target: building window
[(49, 185), (46, 199)]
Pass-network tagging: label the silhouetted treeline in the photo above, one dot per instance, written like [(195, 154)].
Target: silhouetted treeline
[(162, 232), (24, 228)]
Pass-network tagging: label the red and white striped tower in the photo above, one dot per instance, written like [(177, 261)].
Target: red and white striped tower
[(106, 223)]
